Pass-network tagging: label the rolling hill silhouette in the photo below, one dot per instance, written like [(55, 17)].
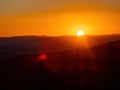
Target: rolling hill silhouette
[(74, 68), (15, 46)]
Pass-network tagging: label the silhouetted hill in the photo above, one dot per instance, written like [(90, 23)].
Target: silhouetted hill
[(75, 68), (15, 46)]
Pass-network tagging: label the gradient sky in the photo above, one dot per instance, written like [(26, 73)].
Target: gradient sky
[(58, 17)]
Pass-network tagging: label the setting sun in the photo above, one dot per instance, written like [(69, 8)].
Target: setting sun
[(80, 33)]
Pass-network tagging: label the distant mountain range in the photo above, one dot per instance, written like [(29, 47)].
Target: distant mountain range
[(15, 46)]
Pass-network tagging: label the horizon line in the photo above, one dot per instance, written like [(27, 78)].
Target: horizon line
[(58, 35)]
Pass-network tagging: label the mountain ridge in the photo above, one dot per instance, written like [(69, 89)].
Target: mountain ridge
[(10, 47)]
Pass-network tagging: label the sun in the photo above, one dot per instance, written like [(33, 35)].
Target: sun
[(80, 33)]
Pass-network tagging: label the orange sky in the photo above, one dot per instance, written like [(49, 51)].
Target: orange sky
[(63, 19)]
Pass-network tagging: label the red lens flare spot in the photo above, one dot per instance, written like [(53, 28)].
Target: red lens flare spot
[(43, 56)]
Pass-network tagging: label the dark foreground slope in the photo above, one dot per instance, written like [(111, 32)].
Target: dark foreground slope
[(97, 67)]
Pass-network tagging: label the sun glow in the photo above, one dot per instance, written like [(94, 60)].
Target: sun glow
[(80, 33)]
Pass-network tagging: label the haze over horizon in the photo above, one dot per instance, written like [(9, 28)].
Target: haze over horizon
[(59, 17)]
